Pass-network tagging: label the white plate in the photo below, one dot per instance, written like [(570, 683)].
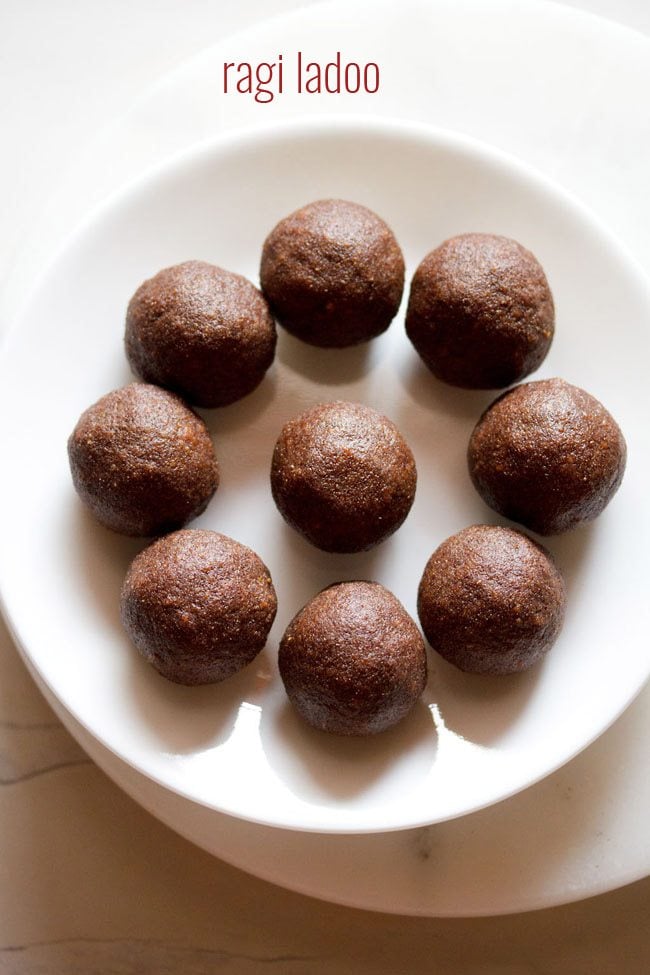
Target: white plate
[(237, 747)]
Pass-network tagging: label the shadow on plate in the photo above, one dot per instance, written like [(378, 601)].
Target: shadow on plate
[(426, 391), (320, 767), (102, 558), (479, 708), (571, 552), (189, 719), (238, 416), (308, 570), (437, 421), (331, 367)]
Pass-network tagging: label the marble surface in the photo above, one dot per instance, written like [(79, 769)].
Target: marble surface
[(89, 882)]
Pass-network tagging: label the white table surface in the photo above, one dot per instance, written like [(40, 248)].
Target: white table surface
[(88, 881)]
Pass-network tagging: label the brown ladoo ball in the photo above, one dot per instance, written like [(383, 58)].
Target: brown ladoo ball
[(201, 331), (480, 311), (352, 661), (198, 606), (343, 476), (142, 461), (548, 455), (491, 601), (333, 273)]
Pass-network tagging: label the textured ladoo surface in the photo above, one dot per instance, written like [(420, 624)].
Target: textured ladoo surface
[(142, 461), (201, 331), (480, 311), (343, 476), (333, 273), (548, 455), (352, 661), (491, 601), (198, 606)]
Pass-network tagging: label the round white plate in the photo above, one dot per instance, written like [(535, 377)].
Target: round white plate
[(237, 747)]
